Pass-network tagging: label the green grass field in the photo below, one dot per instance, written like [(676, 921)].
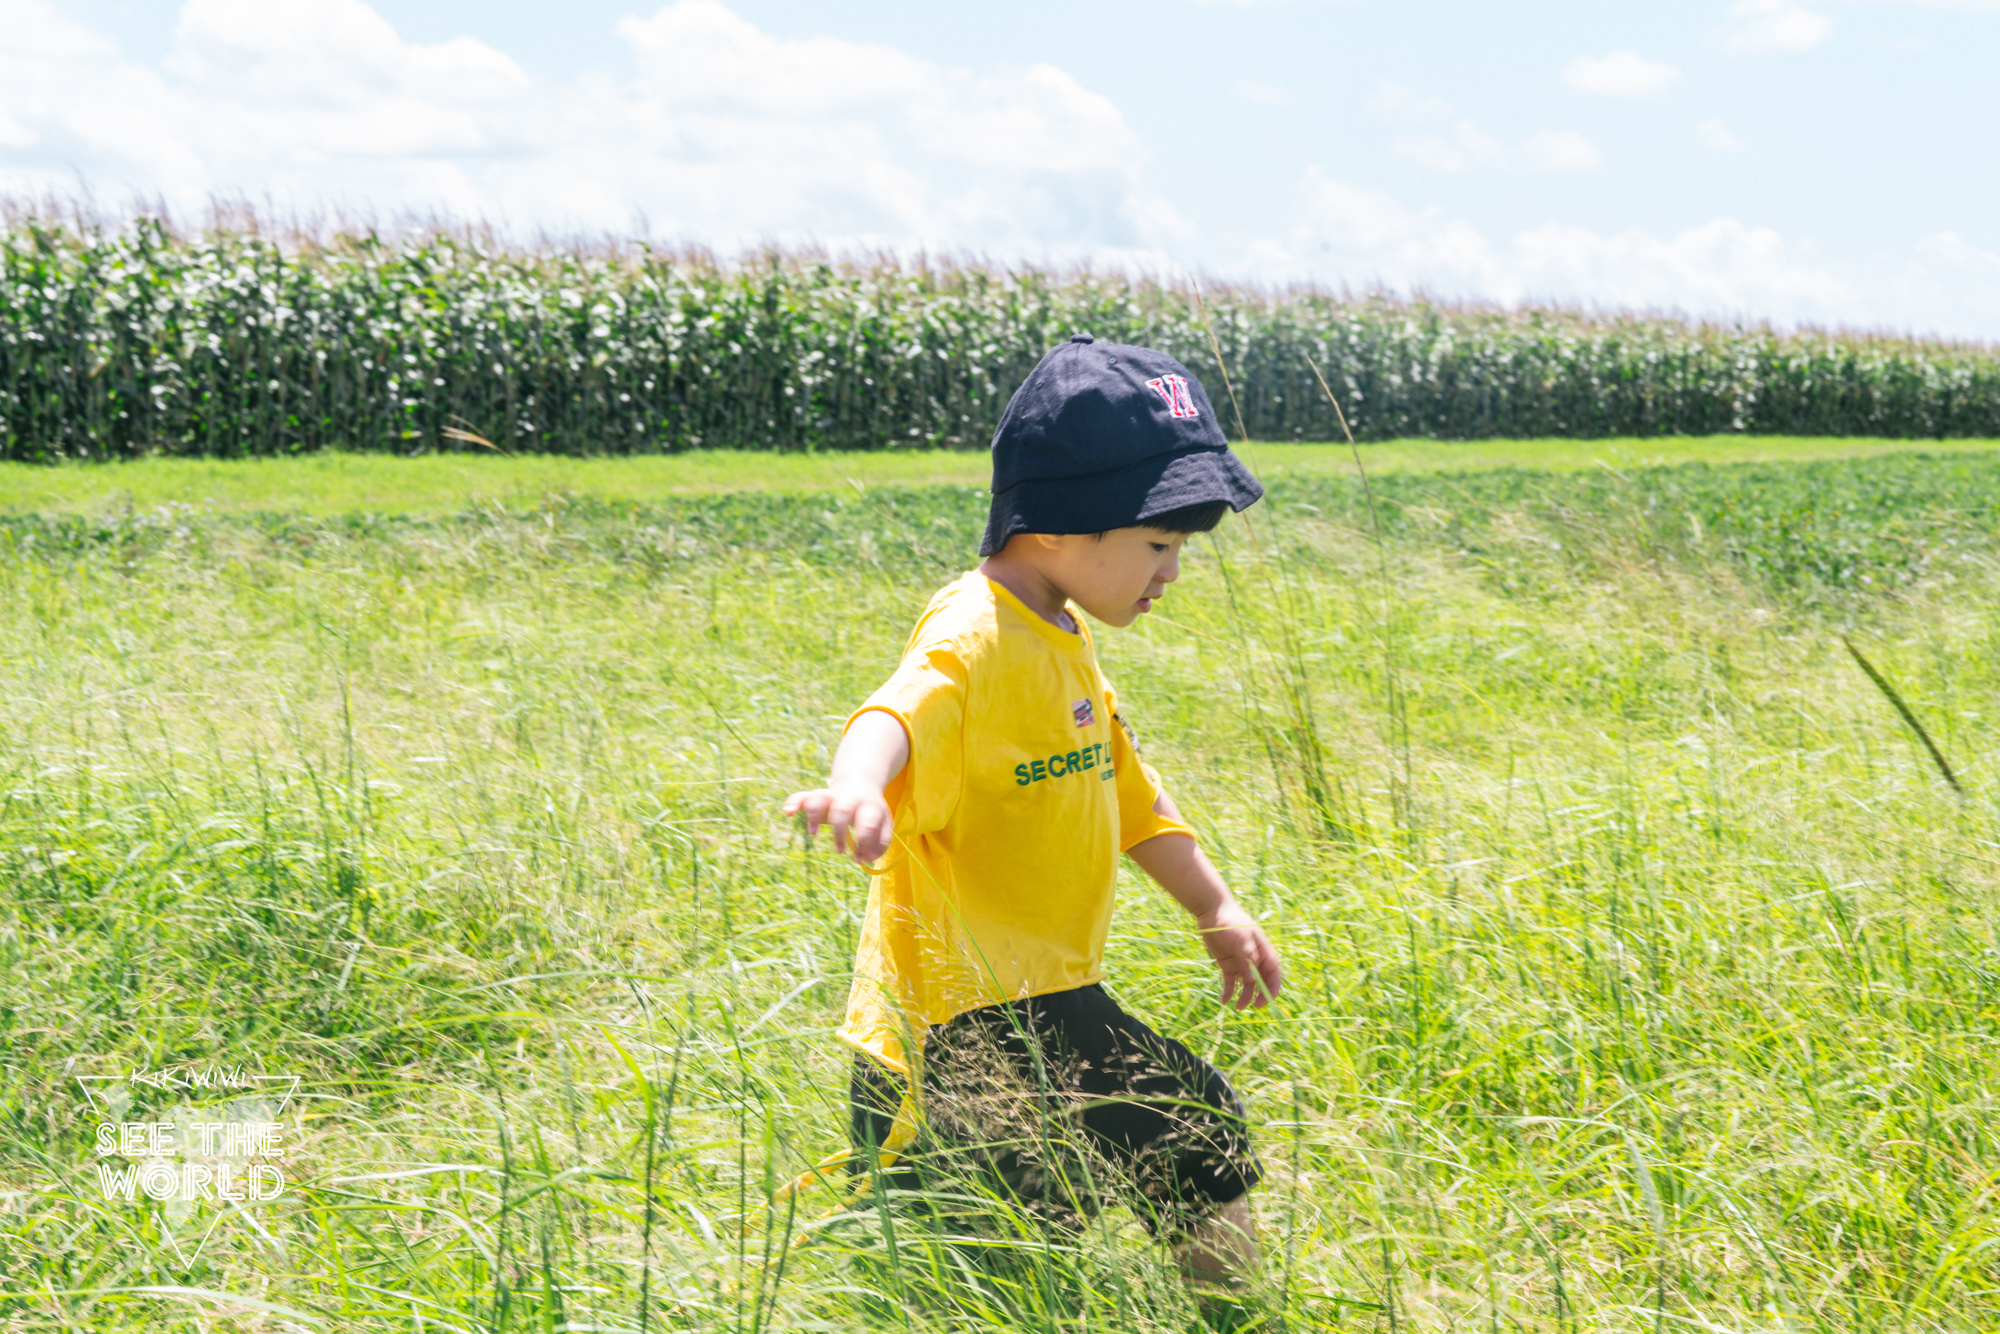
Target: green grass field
[(1642, 967), (327, 484)]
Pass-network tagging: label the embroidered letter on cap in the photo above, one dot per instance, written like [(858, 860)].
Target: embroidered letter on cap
[(1174, 389)]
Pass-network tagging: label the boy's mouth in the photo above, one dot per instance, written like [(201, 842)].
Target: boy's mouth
[(1145, 605)]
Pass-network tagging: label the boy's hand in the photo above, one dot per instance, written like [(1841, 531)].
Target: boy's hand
[(853, 811), (1251, 974), (1248, 960), (872, 752)]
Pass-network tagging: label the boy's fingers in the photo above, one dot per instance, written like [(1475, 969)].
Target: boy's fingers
[(1235, 986), (865, 829), (1274, 972), (1257, 979), (871, 833), (812, 806), (867, 854)]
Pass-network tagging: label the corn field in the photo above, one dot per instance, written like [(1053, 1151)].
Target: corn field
[(140, 338)]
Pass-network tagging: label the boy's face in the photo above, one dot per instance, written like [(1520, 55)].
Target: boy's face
[(1115, 577)]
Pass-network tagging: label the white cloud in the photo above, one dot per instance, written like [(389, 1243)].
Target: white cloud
[(1462, 146), (1948, 285), (1351, 235), (735, 131), (721, 133), (1948, 249), (1465, 147), (1721, 267), (1559, 150), (52, 132), (1717, 137), (1261, 93), (1951, 6), (1620, 73), (1755, 26), (1362, 237), (1394, 102)]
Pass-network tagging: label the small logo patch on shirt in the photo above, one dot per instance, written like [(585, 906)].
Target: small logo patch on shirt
[(1083, 712), (1174, 389)]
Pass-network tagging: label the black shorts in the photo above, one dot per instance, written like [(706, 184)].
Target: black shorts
[(1069, 1102)]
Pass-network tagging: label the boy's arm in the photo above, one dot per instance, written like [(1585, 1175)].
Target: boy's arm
[(872, 753), (1251, 974)]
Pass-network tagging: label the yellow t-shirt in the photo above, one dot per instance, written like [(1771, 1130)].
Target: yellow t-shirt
[(1022, 788)]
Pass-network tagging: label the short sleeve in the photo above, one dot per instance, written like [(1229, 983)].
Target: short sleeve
[(1138, 784), (927, 696)]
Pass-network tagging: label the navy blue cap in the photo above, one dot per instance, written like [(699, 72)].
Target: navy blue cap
[(1106, 435)]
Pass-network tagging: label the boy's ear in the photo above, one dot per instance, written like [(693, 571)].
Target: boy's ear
[(1048, 541)]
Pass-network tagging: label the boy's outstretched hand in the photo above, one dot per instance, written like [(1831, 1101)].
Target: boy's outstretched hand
[(873, 751), (853, 811), (1251, 974), (1248, 962)]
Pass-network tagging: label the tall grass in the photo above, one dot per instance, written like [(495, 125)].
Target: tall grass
[(245, 340), (1666, 1000)]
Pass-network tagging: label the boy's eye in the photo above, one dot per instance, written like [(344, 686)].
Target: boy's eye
[(1159, 546)]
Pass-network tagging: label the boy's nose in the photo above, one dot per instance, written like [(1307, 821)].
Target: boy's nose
[(1171, 570)]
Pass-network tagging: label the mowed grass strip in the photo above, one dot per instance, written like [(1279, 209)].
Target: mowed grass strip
[(1641, 969), (338, 483)]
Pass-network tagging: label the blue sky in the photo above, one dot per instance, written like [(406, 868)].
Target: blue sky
[(1828, 161)]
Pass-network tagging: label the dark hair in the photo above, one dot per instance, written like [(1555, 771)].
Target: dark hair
[(1192, 519), (1188, 519)]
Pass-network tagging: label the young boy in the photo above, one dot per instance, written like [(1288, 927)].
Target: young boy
[(996, 782)]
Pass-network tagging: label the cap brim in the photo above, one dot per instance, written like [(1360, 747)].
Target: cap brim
[(1123, 498)]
